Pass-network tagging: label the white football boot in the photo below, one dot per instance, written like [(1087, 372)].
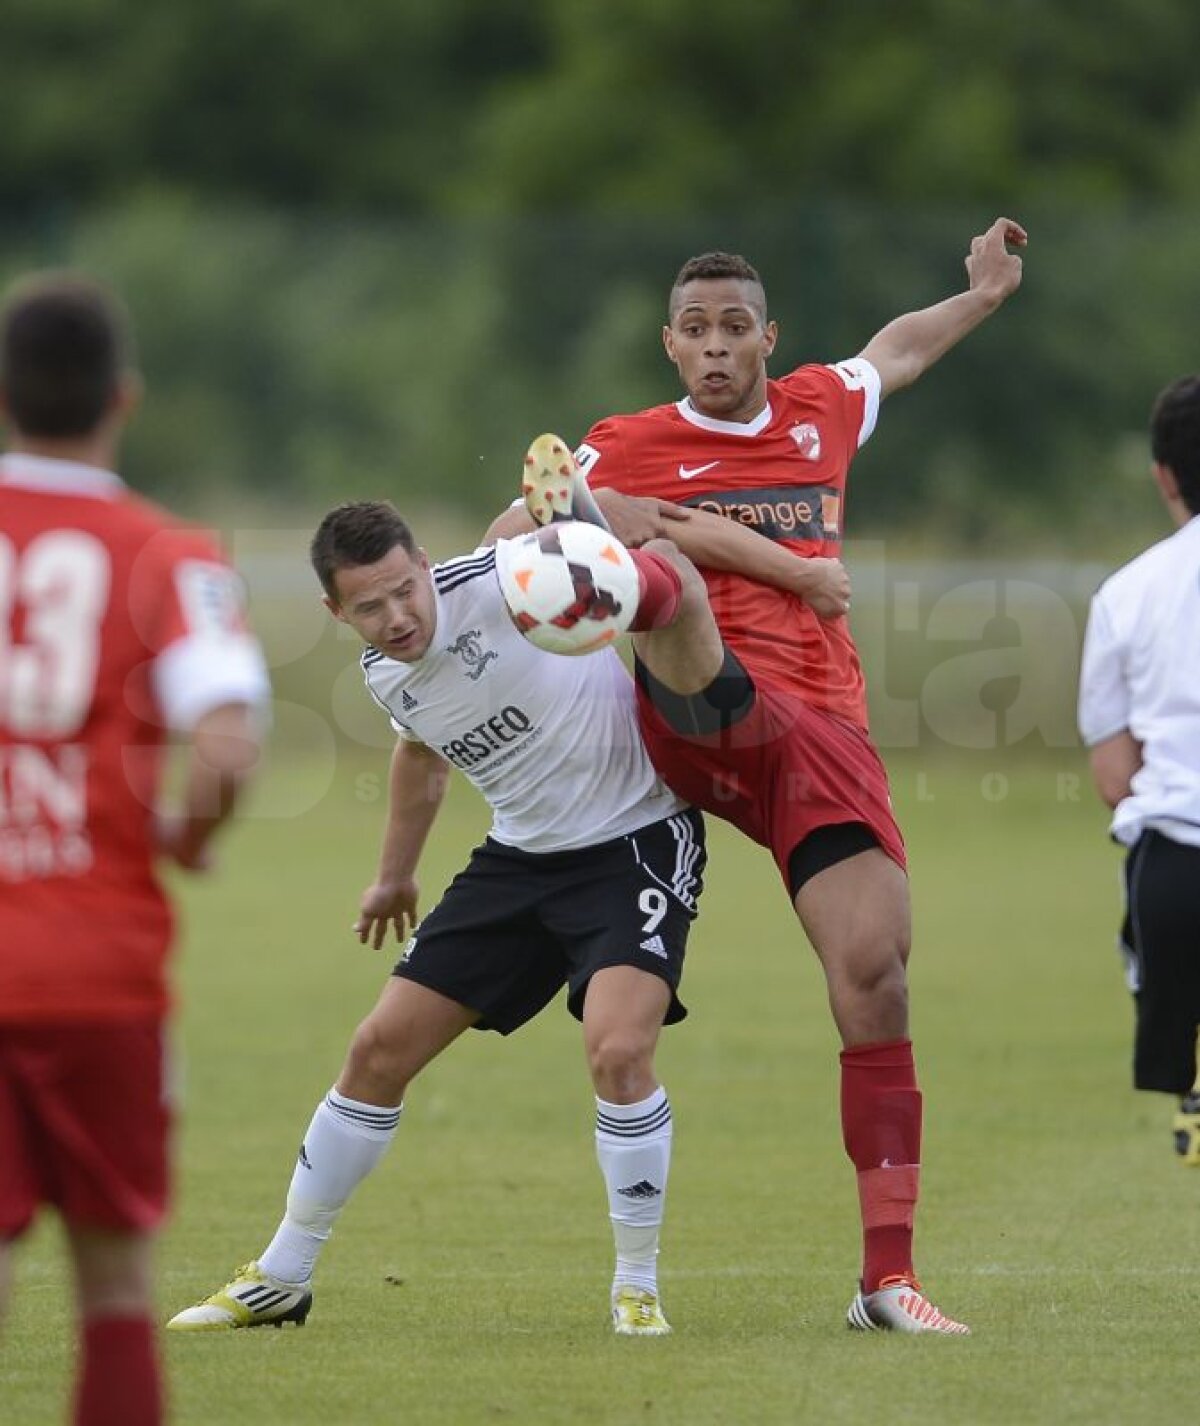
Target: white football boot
[(637, 1313), (900, 1306), (249, 1299), (554, 487)]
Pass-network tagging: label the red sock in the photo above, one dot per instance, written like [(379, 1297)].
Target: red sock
[(660, 590), (118, 1383), (881, 1128)]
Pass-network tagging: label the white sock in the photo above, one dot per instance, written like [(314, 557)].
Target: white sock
[(344, 1142), (633, 1145)]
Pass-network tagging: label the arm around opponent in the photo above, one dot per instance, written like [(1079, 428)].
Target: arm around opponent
[(711, 541)]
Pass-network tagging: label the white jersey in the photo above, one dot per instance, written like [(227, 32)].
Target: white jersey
[(551, 742), (1141, 673)]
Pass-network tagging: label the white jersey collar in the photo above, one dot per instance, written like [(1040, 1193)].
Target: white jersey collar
[(725, 428), (60, 477)]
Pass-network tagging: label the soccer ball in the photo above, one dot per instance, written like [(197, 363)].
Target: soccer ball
[(570, 587)]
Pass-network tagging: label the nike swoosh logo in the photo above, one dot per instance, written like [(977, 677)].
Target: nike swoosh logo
[(690, 474)]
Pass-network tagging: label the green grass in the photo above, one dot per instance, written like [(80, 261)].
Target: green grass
[(467, 1283)]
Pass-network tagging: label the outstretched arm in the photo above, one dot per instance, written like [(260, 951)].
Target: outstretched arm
[(711, 541), (908, 346), (416, 786)]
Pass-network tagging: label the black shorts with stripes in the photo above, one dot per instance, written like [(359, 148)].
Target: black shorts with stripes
[(514, 927)]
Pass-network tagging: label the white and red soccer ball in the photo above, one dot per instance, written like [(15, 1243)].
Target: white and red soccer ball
[(570, 587)]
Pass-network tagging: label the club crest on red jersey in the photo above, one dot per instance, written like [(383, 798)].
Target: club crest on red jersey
[(808, 440)]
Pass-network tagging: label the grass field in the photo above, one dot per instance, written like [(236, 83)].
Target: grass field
[(468, 1281)]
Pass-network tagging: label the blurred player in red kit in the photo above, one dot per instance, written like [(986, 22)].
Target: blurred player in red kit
[(118, 626)]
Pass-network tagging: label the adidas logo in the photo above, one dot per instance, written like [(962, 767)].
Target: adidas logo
[(303, 1157), (407, 701), (644, 1189), (654, 944)]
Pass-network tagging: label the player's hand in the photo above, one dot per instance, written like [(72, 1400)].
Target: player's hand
[(991, 268), (174, 841), (824, 585), (385, 904)]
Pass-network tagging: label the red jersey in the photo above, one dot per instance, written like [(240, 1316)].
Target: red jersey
[(782, 474), (116, 624)]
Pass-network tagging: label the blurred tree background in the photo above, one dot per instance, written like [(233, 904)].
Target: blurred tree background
[(373, 248)]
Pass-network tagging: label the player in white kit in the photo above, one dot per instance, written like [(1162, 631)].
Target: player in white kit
[(589, 878), (1139, 714)]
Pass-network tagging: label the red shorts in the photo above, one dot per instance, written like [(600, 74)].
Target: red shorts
[(768, 762), (84, 1123)]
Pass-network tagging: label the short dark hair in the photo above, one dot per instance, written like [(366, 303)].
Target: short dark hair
[(357, 533), (715, 265), (1175, 436), (66, 342)]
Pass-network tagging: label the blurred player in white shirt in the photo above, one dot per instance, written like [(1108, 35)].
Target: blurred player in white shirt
[(1139, 714)]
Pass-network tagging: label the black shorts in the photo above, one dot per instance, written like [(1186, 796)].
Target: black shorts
[(514, 927), (1161, 941)]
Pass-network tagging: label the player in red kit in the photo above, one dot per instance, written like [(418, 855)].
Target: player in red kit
[(117, 625), (775, 739)]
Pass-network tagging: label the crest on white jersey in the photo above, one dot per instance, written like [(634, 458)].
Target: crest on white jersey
[(469, 647), (808, 439)]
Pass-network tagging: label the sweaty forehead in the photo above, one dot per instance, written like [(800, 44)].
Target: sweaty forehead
[(713, 295)]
